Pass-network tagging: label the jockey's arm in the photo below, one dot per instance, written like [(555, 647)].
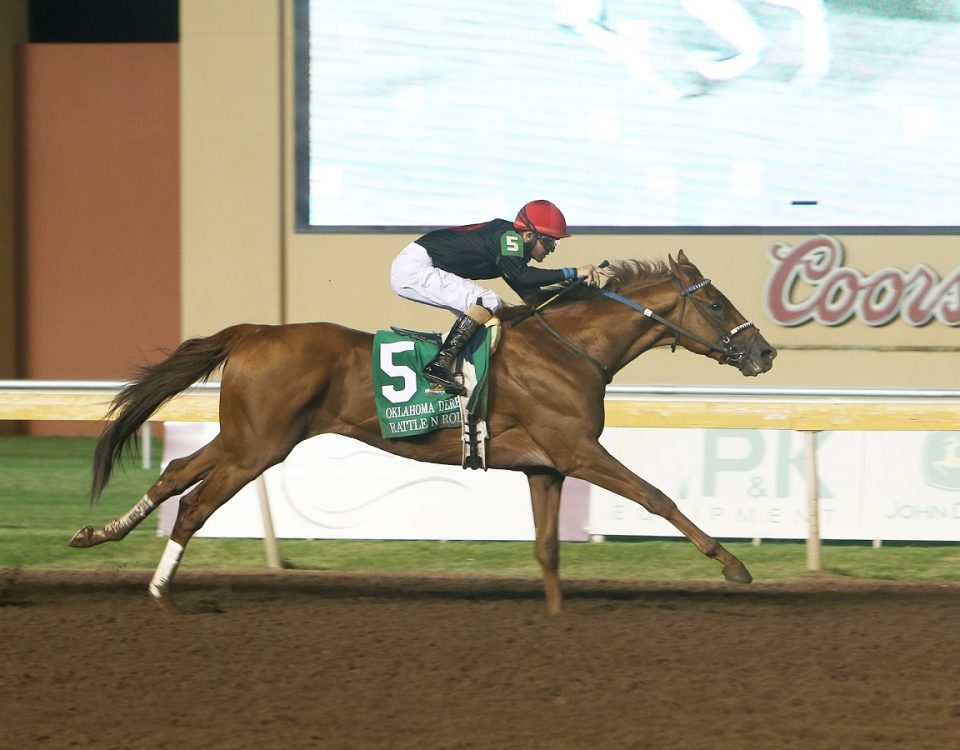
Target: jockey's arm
[(521, 276)]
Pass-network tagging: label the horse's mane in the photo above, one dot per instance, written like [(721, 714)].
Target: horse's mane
[(625, 273)]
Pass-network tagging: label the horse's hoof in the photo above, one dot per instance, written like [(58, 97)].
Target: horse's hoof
[(162, 599), (165, 604), (737, 573), (83, 537)]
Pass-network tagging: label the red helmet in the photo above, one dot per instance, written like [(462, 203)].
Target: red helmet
[(543, 218)]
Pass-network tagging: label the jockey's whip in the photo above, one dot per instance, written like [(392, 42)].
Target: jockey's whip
[(530, 311)]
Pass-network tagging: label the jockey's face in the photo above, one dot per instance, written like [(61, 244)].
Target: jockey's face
[(540, 246)]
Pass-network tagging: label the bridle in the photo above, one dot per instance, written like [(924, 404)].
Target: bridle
[(729, 353)]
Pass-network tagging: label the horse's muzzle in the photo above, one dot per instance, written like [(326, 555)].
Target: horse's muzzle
[(756, 358)]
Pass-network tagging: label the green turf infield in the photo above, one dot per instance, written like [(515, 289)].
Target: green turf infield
[(43, 500)]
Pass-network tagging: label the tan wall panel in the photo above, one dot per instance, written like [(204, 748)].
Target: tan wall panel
[(231, 163), (799, 368), (231, 18)]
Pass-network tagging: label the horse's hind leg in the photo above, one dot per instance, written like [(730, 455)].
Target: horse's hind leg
[(545, 497), (180, 474), (223, 482)]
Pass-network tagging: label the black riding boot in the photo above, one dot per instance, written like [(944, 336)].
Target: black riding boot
[(440, 370)]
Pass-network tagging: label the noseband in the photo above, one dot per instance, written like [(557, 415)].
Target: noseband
[(729, 354)]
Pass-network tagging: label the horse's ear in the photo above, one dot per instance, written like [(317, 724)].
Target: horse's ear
[(683, 268)]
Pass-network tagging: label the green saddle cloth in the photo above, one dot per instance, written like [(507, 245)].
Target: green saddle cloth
[(406, 404)]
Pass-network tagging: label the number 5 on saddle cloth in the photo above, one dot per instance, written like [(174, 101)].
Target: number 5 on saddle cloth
[(406, 403)]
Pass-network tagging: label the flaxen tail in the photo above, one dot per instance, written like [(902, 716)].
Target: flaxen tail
[(154, 385)]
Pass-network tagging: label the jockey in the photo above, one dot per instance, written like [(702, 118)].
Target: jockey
[(438, 269)]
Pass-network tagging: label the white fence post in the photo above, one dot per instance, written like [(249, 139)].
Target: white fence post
[(146, 445), (270, 545), (813, 501)]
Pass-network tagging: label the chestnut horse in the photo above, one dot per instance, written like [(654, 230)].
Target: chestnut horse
[(282, 384)]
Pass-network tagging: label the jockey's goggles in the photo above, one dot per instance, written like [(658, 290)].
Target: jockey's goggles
[(549, 243)]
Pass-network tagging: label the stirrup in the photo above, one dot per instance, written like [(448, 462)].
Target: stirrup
[(443, 377)]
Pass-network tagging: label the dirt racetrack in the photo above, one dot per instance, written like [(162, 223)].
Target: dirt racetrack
[(302, 660)]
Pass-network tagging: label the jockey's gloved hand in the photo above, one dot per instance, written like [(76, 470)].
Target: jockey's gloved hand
[(586, 272), (594, 276)]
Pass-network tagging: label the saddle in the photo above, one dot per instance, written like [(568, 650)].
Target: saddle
[(440, 410)]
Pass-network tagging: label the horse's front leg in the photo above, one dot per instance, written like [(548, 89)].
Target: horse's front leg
[(545, 497), (591, 462)]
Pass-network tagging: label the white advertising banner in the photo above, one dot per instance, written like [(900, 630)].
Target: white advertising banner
[(750, 483), (333, 487), (731, 483)]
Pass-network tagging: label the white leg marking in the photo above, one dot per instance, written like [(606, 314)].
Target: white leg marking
[(166, 569), (122, 526)]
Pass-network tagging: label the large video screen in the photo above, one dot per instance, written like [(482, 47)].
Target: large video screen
[(650, 115)]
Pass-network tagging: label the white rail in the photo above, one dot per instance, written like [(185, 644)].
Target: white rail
[(101, 386), (779, 391), (113, 386)]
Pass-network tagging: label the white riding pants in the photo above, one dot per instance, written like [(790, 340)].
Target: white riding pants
[(413, 276)]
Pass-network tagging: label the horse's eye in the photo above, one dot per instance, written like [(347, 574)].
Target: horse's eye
[(716, 307)]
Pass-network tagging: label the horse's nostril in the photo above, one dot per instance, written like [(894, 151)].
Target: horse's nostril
[(768, 353)]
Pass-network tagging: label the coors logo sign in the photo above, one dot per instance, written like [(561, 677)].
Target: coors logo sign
[(810, 282)]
